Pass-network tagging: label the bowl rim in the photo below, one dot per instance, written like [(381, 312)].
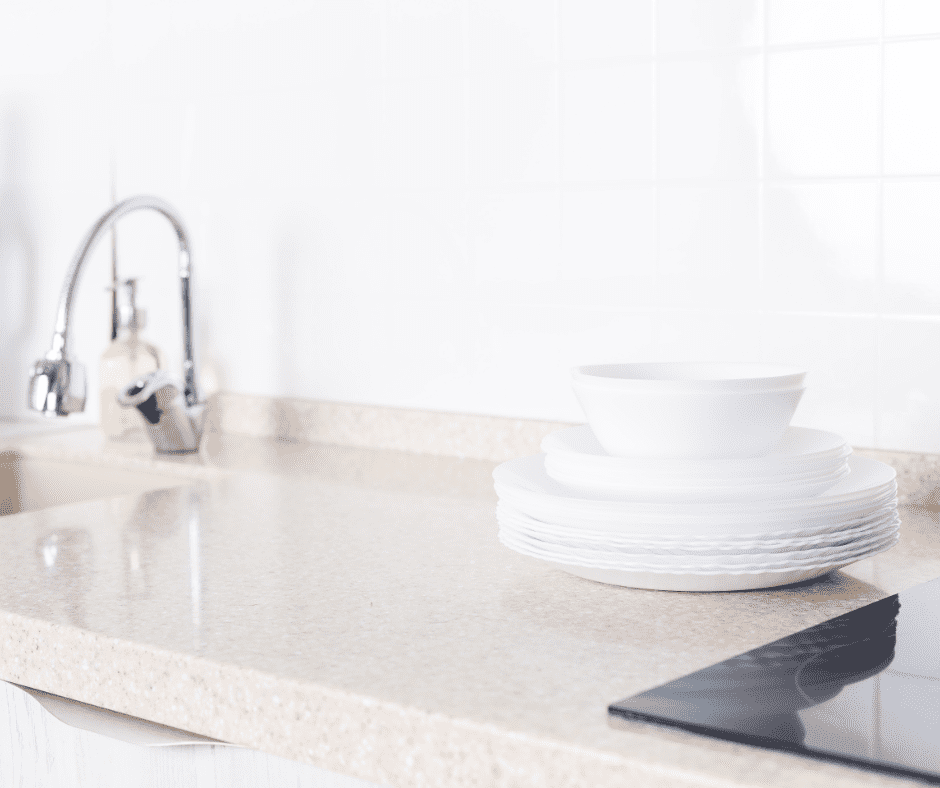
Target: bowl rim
[(744, 376), (689, 394)]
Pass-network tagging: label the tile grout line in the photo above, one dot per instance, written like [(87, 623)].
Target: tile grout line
[(762, 190), (385, 91), (877, 419), (654, 134), (466, 75), (558, 186), (469, 309)]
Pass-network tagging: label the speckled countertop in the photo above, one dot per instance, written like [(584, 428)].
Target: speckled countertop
[(353, 609)]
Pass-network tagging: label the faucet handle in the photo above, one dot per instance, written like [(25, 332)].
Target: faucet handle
[(173, 427), (57, 387)]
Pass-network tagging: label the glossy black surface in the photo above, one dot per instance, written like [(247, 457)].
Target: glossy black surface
[(862, 688)]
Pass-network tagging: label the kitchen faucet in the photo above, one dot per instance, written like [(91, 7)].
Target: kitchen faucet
[(173, 417)]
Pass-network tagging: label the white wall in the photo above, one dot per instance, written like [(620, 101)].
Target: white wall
[(445, 204)]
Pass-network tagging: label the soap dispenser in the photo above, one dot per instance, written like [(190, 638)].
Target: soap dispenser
[(127, 358)]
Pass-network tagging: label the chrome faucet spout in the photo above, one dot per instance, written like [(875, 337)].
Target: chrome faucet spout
[(57, 383)]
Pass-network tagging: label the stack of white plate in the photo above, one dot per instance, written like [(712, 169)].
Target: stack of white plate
[(690, 479), (690, 546)]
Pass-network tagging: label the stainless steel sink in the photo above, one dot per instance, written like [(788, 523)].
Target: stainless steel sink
[(28, 484)]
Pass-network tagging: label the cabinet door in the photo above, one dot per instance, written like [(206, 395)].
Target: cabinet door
[(39, 750)]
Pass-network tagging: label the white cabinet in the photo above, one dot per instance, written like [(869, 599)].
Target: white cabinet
[(40, 750)]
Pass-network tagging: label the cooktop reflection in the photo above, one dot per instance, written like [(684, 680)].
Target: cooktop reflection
[(863, 688)]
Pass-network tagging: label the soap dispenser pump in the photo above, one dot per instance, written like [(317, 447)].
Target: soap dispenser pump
[(127, 358)]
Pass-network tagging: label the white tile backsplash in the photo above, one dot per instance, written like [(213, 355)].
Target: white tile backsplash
[(445, 204), (610, 234), (425, 94), (720, 99), (911, 17), (912, 248), (684, 26), (517, 236), (909, 387), (804, 21), (606, 29), (820, 247), (912, 113), (514, 126), (709, 246), (513, 32), (709, 336), (607, 128), (823, 111)]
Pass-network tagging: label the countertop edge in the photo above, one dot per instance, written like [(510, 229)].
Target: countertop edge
[(353, 731)]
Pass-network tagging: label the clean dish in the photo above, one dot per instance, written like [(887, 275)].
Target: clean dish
[(575, 456), (715, 581), (683, 410), (568, 560), (528, 474), (744, 562), (578, 537), (752, 525), (675, 491), (525, 485)]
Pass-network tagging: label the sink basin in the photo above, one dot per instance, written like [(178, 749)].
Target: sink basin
[(28, 484)]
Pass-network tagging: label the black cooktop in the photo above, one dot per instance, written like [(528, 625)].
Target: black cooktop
[(863, 688)]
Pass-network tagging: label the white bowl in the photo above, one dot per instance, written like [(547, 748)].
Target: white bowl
[(696, 376), (682, 417)]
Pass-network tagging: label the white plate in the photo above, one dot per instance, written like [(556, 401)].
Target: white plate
[(709, 529), (628, 514), (678, 531), (802, 450), (831, 531), (529, 474), (651, 545), (587, 475), (586, 556), (642, 491), (841, 560), (721, 581), (524, 483), (593, 553)]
